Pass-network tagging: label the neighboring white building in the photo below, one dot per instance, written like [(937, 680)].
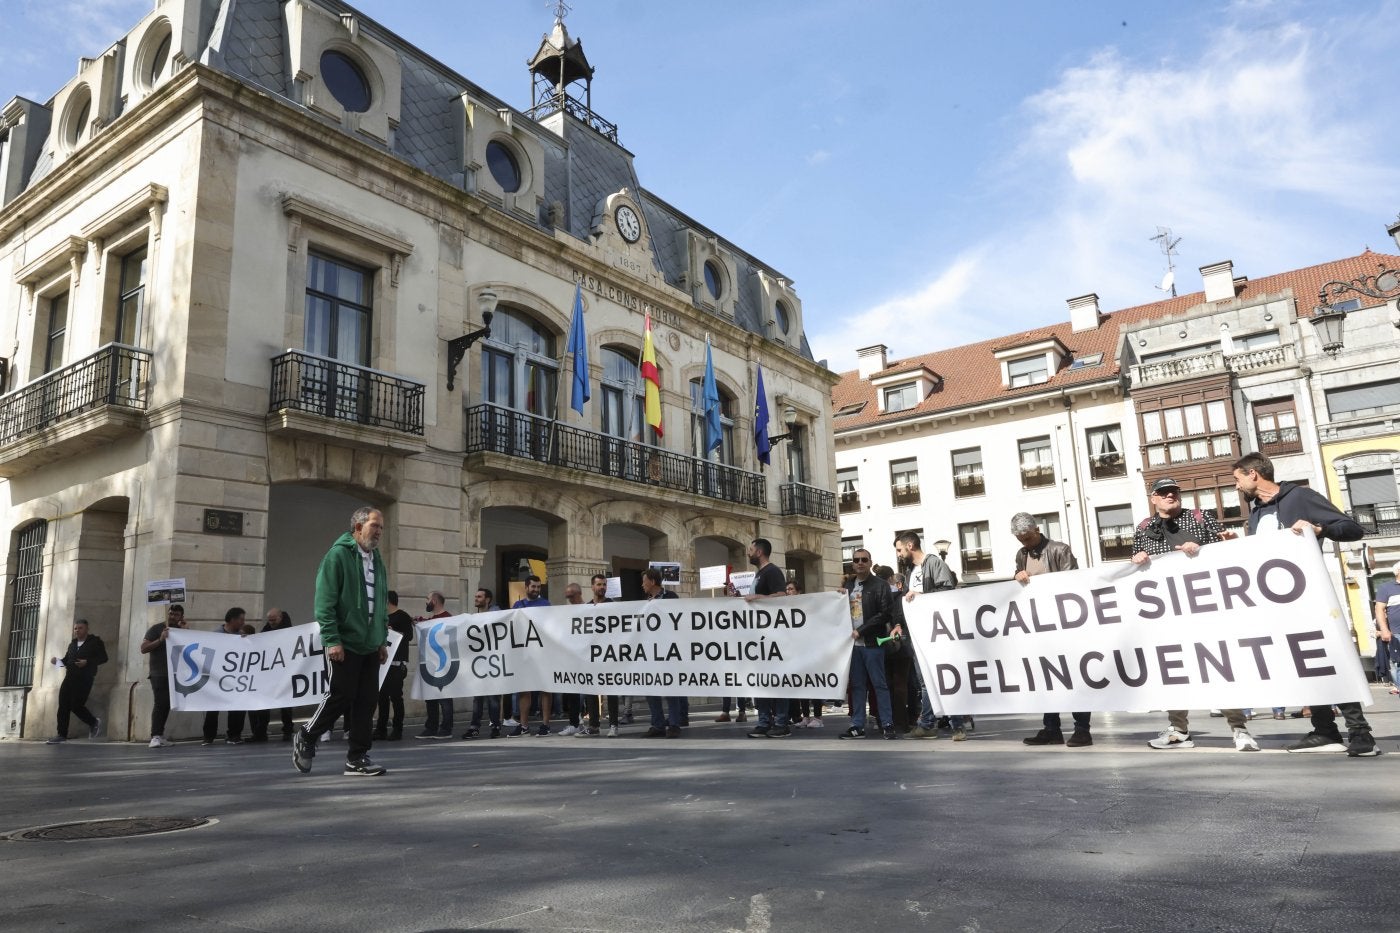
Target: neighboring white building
[(239, 247), (1073, 422)]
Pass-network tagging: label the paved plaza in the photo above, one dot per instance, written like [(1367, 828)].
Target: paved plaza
[(716, 832)]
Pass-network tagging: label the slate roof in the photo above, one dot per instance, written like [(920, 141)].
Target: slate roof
[(972, 374)]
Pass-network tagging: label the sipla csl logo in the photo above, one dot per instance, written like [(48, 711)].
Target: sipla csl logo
[(442, 654), (192, 666)]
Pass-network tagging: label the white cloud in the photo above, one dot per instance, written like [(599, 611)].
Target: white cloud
[(818, 156)]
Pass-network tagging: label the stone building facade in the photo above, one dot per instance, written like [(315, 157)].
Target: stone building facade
[(237, 248)]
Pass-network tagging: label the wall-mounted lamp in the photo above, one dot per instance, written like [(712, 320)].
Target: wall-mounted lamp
[(941, 548), (789, 419), (457, 348)]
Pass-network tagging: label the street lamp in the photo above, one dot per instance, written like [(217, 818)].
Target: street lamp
[(789, 419), (1331, 321), (457, 348)]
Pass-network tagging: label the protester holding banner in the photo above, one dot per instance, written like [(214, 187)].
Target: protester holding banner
[(260, 719), (534, 596), (599, 586), (438, 724), (1038, 554), (153, 646), (928, 573), (352, 598), (1169, 529), (768, 581), (391, 691), (1284, 506), (233, 625), (668, 724), (485, 601), (80, 662), (872, 612)]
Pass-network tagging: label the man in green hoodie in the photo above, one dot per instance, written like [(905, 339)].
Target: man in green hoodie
[(352, 612)]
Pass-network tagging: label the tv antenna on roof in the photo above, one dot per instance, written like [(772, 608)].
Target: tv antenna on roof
[(1168, 243)]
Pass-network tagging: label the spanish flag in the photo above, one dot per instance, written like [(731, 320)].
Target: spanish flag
[(651, 376)]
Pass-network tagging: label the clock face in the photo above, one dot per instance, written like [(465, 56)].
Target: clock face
[(627, 224)]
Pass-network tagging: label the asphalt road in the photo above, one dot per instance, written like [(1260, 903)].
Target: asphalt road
[(716, 832)]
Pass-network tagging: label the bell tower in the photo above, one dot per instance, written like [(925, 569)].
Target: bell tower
[(558, 64)]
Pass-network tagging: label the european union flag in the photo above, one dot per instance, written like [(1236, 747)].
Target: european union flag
[(714, 430), (578, 346), (760, 421)]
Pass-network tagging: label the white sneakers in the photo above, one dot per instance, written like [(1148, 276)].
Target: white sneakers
[(612, 732), (568, 730), (1173, 739), (158, 741), (1244, 742)]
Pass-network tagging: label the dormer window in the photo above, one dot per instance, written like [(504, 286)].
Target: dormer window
[(346, 81), (714, 280), (501, 162), (1029, 371), (901, 397)]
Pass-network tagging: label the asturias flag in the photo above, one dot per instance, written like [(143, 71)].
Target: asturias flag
[(578, 346), (760, 420), (710, 395), (651, 376)]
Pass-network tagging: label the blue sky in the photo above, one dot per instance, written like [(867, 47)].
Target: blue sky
[(933, 173)]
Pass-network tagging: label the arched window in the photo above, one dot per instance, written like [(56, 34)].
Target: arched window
[(624, 397), (697, 423), (520, 364)]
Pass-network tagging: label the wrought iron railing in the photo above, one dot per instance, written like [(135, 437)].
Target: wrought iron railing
[(801, 499), (115, 375), (574, 108), (1036, 475), (850, 501), (1379, 518), (493, 429), (1280, 441), (343, 392)]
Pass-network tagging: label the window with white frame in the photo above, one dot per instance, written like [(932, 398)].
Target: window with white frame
[(1037, 462), (1106, 452), (1028, 371), (901, 397), (848, 489), (967, 473), (904, 481), (1115, 531)]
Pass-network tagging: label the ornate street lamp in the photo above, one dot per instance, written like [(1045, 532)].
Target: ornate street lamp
[(789, 419), (1331, 321), (457, 348)]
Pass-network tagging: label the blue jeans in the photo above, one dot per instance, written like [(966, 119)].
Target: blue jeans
[(771, 712), (868, 667), (927, 719), (493, 710), (673, 712)]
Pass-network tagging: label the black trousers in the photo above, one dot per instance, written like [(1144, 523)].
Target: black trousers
[(594, 704), (160, 709), (235, 724), (72, 698), (1323, 719), (391, 695), (354, 693), (260, 719)]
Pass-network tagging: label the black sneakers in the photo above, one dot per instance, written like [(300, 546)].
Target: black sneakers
[(891, 732), (779, 732), (758, 732), (1361, 745), (303, 750), (1320, 742), (1045, 737), (363, 767), (854, 732)]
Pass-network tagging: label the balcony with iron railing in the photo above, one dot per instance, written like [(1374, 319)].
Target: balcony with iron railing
[(976, 560), (495, 431), (969, 483), (79, 407), (314, 396), (1216, 361), (1277, 441), (850, 501), (801, 499), (1378, 518), (1036, 475)]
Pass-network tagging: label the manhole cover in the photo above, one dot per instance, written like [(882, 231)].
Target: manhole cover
[(111, 829)]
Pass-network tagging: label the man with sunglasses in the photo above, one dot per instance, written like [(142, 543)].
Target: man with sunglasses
[(872, 613), (1171, 528)]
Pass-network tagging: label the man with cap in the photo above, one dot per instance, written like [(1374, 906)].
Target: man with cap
[(1170, 528)]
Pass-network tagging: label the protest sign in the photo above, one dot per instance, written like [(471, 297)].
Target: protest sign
[(791, 647), (219, 671), (1248, 622)]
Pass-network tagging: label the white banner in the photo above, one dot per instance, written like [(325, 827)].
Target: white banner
[(1250, 622), (795, 647), (270, 670)]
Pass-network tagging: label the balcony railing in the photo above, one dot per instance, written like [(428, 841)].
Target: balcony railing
[(976, 561), (493, 429), (1107, 466), (904, 494), (850, 502), (801, 499), (1380, 518), (969, 483), (344, 392), (1214, 361), (1280, 441), (115, 375), (1034, 476)]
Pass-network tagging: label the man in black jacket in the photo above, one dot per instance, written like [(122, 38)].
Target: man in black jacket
[(872, 611), (1284, 506), (85, 652)]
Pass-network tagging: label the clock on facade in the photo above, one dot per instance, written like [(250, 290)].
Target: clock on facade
[(627, 224)]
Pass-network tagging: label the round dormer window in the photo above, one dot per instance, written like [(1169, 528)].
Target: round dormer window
[(79, 111), (346, 81), (155, 67), (783, 317), (501, 161), (714, 283)]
